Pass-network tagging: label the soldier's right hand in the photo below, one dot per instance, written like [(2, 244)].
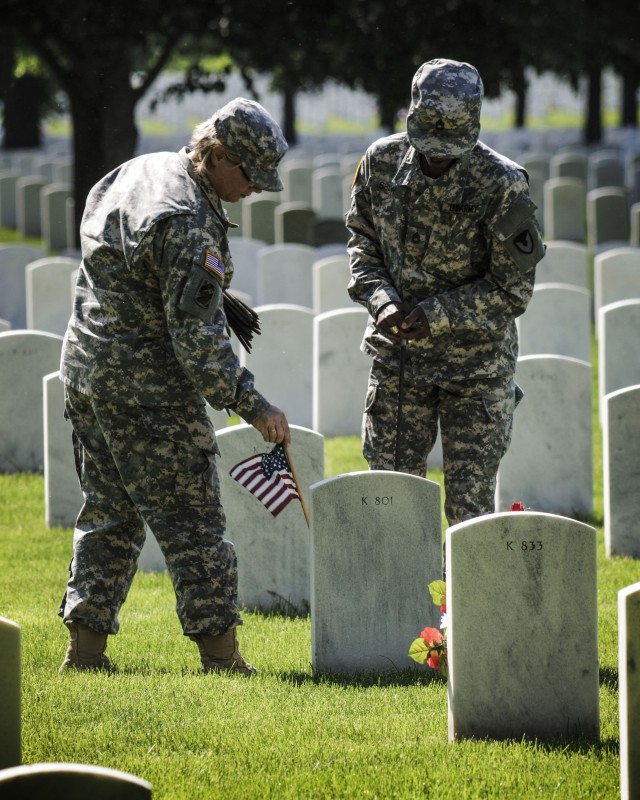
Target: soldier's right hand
[(273, 426), (389, 320)]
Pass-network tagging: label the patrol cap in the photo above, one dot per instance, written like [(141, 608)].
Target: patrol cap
[(250, 134), (444, 116)]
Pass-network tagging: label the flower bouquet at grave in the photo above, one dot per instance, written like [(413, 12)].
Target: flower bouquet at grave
[(430, 647)]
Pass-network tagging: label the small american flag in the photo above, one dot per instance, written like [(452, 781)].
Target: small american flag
[(213, 264), (268, 476)]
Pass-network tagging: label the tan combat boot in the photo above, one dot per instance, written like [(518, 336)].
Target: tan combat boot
[(220, 653), (86, 649)]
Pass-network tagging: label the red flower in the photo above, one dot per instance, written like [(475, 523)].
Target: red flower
[(434, 660), (518, 506), (432, 636)]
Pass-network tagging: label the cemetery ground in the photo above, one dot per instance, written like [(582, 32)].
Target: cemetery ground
[(288, 733)]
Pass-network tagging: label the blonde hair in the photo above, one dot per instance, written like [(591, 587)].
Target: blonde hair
[(203, 140)]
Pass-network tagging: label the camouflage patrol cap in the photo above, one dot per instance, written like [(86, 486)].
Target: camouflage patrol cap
[(250, 134), (444, 116)]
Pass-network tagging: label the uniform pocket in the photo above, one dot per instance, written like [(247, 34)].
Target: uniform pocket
[(370, 399)]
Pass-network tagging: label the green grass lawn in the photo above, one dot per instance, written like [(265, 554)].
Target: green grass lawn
[(287, 733)]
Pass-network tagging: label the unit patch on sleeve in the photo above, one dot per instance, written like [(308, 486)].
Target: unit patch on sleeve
[(201, 294)]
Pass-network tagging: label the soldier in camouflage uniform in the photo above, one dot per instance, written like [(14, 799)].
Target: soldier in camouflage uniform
[(146, 345), (443, 249)]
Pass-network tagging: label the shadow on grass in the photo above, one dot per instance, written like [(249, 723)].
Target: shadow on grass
[(365, 680), (609, 678)]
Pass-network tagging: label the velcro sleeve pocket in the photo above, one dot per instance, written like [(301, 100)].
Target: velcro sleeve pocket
[(202, 294)]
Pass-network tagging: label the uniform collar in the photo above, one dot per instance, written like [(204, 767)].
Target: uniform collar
[(452, 184), (206, 187)]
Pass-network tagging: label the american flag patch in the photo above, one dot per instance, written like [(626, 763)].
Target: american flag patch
[(213, 264)]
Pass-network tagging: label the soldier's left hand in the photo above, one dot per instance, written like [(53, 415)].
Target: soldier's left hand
[(415, 325)]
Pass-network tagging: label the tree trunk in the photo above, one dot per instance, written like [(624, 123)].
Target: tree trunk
[(104, 132), (387, 111), (289, 114), (629, 105), (593, 122), (22, 104), (520, 107)]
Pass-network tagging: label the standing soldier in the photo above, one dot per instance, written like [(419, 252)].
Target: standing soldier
[(146, 345), (443, 248)]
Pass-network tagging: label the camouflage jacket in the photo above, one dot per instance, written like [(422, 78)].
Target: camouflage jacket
[(463, 246), (148, 325)]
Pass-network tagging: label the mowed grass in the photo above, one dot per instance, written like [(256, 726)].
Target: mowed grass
[(288, 733)]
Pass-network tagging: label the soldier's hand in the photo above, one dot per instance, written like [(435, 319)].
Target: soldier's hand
[(273, 426), (389, 320), (415, 326)]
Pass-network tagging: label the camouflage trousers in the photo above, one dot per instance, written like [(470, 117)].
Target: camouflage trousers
[(475, 419), (155, 465)]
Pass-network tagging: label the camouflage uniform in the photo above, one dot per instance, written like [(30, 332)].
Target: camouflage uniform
[(145, 347), (464, 248)]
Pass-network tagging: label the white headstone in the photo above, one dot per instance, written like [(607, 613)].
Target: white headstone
[(629, 683), (244, 253), (557, 321), (151, 558), (605, 169), (281, 360), (273, 552), (549, 464), (340, 372), (13, 261), (608, 216), (621, 471), (25, 358), (8, 180), (564, 209), (258, 218), (376, 544), (522, 634), (331, 277), (326, 192), (634, 237), (618, 337), (564, 262), (53, 210), (296, 174), (5, 325), (48, 302), (10, 698), (66, 781), (616, 276), (285, 275), (569, 165), (28, 216), (294, 223), (62, 492)]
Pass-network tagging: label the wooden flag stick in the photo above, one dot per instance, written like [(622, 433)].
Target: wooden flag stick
[(297, 483)]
